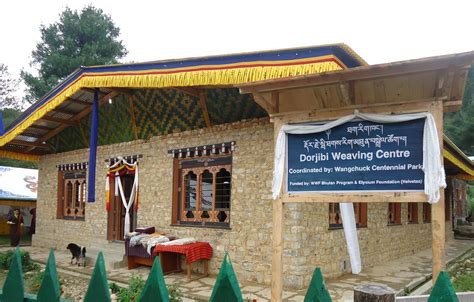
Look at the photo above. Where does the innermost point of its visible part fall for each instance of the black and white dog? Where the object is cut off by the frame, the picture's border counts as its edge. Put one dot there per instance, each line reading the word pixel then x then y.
pixel 78 253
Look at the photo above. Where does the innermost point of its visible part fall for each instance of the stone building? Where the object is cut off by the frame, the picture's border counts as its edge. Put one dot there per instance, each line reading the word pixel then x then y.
pixel 205 154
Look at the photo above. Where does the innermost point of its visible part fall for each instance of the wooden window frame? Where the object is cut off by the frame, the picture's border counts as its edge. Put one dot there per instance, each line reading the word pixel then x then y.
pixel 447 207
pixel 361 214
pixel 412 213
pixel 426 212
pixel 78 196
pixel 396 209
pixel 200 217
pixel 335 219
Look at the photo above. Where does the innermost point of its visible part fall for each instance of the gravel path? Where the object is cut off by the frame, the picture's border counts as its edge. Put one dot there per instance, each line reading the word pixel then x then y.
pixel 74 287
pixel 75 284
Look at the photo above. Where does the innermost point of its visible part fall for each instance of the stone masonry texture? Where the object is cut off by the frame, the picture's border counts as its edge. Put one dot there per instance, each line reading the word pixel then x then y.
pixel 307 240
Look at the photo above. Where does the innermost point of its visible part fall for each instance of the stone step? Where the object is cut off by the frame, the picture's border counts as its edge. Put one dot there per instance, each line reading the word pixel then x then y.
pixel 114 254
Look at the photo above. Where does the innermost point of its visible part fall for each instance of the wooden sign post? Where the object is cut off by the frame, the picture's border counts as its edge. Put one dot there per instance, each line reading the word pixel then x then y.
pixel 433 85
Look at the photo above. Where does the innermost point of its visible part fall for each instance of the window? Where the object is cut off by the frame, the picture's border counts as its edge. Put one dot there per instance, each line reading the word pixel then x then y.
pixel 412 212
pixel 426 212
pixel 203 195
pixel 360 210
pixel 394 213
pixel 447 209
pixel 72 192
pixel 335 219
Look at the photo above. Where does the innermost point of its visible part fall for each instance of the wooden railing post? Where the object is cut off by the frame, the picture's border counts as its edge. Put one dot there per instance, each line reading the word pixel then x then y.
pixel 13 288
pixel 98 289
pixel 155 289
pixel 50 290
pixel 438 224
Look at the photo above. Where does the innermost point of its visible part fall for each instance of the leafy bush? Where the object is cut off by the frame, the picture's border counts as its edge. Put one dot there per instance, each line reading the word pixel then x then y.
pixel 135 288
pixel 132 293
pixel 175 293
pixel 114 288
pixel 27 263
pixel 33 281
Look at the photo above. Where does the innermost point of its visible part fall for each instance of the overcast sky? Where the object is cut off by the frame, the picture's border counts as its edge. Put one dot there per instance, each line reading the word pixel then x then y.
pixel 379 31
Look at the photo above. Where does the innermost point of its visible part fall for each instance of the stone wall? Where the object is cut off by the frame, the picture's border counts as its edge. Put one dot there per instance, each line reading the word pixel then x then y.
pixel 248 241
pixel 307 241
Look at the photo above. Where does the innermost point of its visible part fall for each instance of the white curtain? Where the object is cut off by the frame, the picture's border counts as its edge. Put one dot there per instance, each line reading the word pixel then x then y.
pixel 350 232
pixel 127 203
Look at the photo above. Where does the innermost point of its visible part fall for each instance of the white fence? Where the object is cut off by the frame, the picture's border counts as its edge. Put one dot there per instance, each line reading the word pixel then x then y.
pixel 463 297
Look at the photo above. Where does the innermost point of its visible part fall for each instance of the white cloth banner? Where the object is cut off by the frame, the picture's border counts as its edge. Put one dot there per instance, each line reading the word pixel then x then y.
pixel 350 231
pixel 118 188
pixel 432 166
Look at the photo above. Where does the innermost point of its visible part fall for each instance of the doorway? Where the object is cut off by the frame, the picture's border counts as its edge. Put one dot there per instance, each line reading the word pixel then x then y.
pixel 116 216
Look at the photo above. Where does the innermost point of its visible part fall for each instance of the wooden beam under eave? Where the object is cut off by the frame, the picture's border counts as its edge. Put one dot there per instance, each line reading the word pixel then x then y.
pixel 65 111
pixel 40 127
pixel 444 83
pixel 463 176
pixel 264 103
pixel 459 87
pixel 17 203
pixel 132 117
pixel 74 120
pixel 194 92
pixel 92 90
pixel 335 113
pixel 29 144
pixel 452 106
pixel 68 122
pixel 347 91
pixel 83 135
pixel 30 134
pixel 125 91
pixel 203 105
pixel 77 101
pixel 276 101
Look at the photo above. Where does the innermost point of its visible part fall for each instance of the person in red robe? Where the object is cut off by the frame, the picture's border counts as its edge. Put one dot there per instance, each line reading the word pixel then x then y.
pixel 33 221
pixel 15 222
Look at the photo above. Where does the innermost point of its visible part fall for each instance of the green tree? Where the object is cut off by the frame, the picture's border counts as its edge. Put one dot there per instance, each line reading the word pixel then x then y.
pixel 84 38
pixel 459 126
pixel 9 115
pixel 8 85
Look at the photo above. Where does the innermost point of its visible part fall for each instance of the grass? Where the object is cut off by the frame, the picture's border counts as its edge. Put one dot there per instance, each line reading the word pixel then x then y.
pixel 24 240
pixel 464 283
pixel 463 273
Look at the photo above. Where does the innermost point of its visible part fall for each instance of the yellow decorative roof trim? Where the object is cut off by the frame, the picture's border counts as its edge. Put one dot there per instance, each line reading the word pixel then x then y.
pixel 150 79
pixel 453 159
pixel 18 156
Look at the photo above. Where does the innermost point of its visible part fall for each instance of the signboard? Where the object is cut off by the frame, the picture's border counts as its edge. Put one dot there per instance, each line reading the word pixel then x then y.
pixel 18 183
pixel 358 156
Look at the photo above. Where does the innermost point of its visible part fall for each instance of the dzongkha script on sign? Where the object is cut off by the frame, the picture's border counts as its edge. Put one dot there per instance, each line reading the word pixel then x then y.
pixel 358 156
